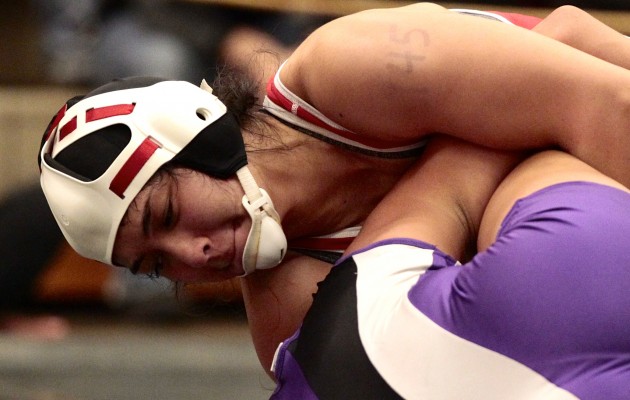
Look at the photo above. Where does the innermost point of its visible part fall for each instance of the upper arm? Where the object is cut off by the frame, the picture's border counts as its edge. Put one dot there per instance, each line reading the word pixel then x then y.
pixel 358 70
pixel 403 73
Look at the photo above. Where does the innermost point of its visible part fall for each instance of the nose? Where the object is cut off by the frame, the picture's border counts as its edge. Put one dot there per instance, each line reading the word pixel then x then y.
pixel 193 252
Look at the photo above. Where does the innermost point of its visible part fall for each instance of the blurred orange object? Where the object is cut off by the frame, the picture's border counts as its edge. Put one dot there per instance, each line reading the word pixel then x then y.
pixel 71 278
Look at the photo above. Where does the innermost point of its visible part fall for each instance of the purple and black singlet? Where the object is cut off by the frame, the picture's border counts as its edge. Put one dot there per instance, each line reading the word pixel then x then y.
pixel 544 313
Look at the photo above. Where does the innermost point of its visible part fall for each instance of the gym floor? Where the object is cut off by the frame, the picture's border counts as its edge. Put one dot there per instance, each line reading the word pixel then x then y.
pixel 108 356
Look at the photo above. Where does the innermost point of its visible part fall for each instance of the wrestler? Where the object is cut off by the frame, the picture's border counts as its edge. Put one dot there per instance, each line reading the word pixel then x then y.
pixel 164 178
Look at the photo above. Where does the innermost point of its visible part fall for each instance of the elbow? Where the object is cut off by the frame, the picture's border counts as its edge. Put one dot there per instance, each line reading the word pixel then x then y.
pixel 564 24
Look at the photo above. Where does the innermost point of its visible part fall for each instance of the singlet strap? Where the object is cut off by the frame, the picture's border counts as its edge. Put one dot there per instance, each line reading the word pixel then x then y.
pixel 524 21
pixel 292 111
pixel 327 248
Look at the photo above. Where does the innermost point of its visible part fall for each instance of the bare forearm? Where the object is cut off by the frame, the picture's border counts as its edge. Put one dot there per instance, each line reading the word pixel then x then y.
pixel 442 198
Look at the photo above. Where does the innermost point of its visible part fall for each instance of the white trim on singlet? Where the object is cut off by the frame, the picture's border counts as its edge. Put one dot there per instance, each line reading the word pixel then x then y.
pixel 483 14
pixel 298 102
pixel 324 126
pixel 418 358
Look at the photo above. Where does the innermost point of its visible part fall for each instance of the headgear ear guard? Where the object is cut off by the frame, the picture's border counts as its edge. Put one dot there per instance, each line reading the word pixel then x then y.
pixel 100 150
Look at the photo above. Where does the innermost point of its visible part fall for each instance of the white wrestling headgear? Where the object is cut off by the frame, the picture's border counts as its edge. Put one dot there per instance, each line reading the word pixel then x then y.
pixel 100 150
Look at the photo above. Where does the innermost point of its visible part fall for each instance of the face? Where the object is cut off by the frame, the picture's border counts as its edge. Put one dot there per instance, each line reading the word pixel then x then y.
pixel 187 227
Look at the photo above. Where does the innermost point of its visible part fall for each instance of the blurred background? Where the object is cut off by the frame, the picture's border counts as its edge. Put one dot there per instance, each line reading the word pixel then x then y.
pixel 72 328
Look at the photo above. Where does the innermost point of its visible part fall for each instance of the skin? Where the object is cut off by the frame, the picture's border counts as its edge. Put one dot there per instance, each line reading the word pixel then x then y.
pixel 436 191
pixel 426 70
pixel 578 29
pixel 537 172
pixel 278 299
pixel 419 52
pixel 418 29
pixel 483 200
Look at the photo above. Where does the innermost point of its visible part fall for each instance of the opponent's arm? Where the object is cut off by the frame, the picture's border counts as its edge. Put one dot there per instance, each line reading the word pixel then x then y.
pixel 441 199
pixel 404 73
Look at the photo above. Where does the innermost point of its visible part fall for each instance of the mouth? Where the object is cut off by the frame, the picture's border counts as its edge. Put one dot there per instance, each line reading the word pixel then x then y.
pixel 230 265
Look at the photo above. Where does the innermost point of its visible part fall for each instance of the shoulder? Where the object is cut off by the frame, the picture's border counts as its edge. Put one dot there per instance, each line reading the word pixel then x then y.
pixel 359 56
pixel 341 42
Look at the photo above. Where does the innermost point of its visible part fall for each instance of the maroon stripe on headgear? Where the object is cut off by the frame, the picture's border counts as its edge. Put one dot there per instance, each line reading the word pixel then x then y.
pixel 94 114
pixel 132 166
pixel 68 128
pixel 55 121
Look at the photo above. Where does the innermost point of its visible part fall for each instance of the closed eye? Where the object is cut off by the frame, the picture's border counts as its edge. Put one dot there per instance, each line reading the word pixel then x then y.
pixel 169 214
pixel 135 268
pixel 158 266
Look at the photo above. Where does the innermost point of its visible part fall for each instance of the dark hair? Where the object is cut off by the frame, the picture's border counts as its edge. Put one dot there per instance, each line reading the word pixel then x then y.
pixel 239 92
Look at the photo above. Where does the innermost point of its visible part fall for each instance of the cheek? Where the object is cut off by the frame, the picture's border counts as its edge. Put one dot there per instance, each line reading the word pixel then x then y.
pixel 213 210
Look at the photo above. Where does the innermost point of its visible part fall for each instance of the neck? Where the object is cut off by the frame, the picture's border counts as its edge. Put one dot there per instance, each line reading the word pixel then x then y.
pixel 300 185
pixel 318 188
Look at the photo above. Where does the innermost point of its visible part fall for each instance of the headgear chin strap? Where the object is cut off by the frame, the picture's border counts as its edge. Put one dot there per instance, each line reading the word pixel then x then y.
pixel 99 151
pixel 266 243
